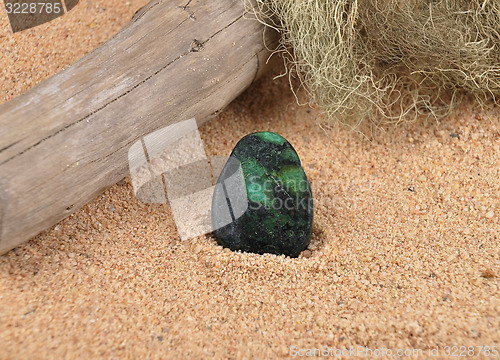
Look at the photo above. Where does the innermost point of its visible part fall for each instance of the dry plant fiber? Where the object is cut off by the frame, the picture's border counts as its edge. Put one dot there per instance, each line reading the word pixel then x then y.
pixel 399 58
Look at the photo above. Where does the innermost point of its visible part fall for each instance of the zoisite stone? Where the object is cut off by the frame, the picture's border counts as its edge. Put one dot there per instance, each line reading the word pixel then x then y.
pixel 262 201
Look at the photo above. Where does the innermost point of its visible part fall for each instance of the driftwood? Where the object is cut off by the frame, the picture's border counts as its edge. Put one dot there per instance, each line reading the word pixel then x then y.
pixel 65 141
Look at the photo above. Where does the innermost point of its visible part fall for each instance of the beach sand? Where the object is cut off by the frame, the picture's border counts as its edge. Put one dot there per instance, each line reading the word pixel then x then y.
pixel 405 252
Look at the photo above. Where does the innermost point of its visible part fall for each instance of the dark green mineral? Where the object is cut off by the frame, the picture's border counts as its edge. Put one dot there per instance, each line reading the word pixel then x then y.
pixel 262 201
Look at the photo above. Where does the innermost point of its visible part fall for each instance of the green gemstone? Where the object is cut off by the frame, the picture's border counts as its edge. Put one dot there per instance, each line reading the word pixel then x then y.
pixel 262 201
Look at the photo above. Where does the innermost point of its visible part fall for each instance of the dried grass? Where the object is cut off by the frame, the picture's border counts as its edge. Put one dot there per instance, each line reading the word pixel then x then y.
pixel 402 59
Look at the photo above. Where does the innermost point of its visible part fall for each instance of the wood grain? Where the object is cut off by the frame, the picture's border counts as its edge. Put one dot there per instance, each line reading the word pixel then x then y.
pixel 65 141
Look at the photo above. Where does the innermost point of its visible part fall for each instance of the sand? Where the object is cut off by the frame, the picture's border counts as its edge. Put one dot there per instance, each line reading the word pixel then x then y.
pixel 405 253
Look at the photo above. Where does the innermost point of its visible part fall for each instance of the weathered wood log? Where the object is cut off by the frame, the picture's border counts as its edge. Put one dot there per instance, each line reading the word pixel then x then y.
pixel 65 141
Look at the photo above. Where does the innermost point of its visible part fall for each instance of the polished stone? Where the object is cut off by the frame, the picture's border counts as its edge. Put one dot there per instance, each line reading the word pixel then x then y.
pixel 262 201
